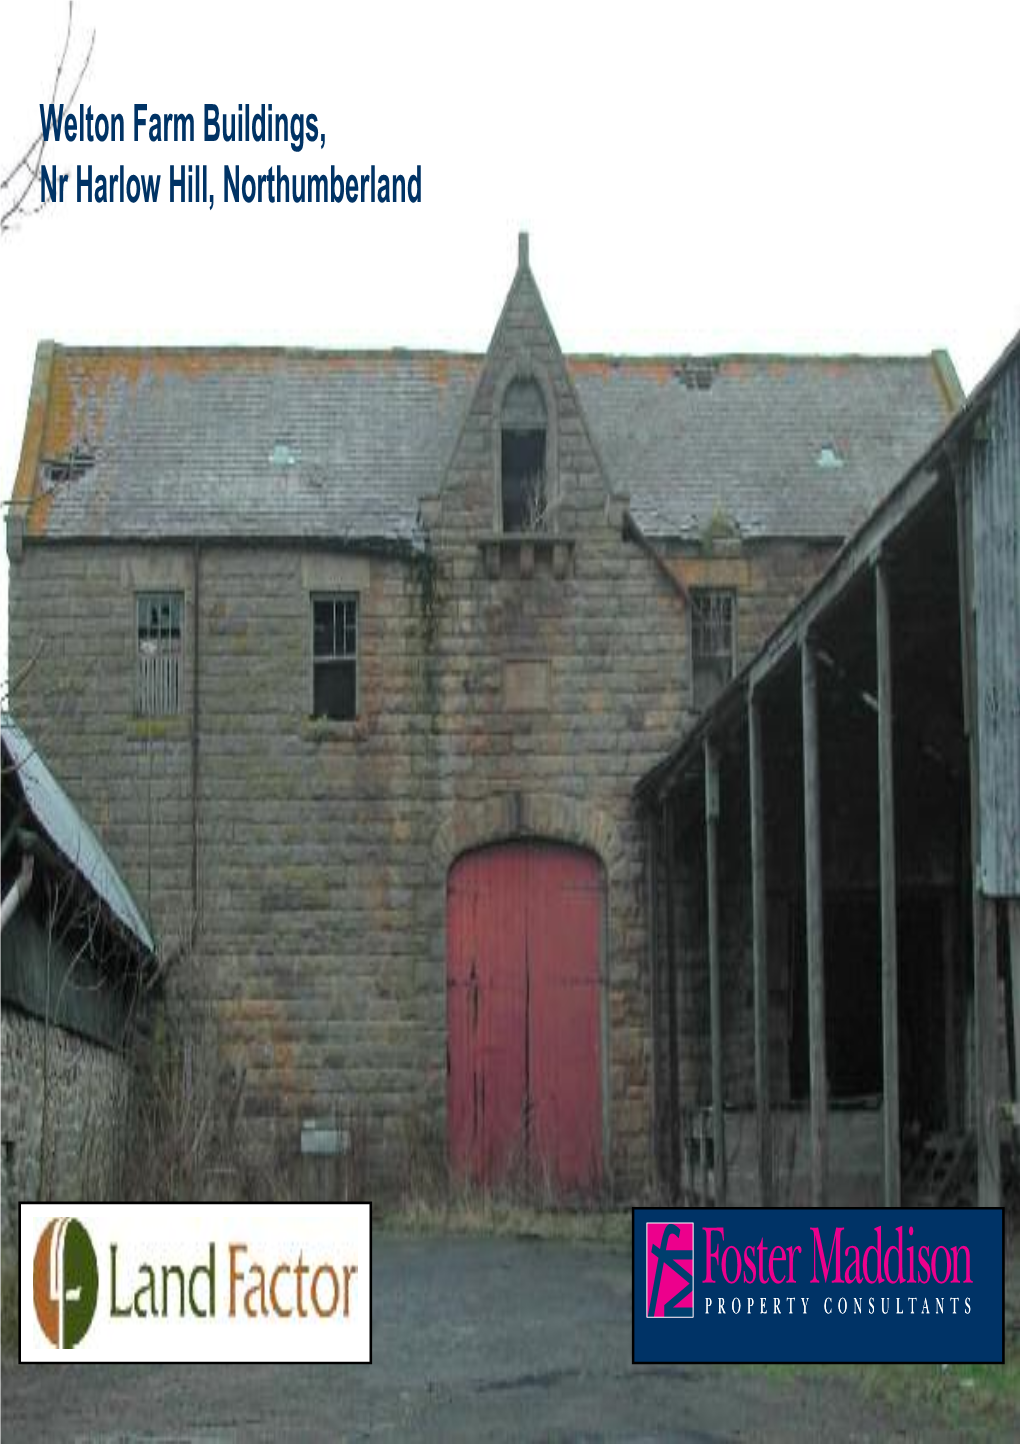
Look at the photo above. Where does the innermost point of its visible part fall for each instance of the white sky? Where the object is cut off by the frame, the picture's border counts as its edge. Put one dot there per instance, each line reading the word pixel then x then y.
pixel 695 177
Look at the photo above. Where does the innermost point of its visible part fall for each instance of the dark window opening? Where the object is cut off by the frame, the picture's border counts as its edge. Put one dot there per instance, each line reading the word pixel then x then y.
pixel 524 498
pixel 712 644
pixel 335 658
pixel 158 680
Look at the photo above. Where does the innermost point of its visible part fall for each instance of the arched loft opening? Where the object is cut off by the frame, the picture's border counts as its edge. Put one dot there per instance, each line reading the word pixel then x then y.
pixel 524 481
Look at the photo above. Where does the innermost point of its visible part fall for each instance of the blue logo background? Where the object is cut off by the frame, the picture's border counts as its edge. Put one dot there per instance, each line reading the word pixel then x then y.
pixel 892 1333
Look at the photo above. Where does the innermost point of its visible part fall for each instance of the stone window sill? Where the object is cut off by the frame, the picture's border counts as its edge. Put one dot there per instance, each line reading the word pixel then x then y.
pixel 332 730
pixel 167 727
pixel 517 554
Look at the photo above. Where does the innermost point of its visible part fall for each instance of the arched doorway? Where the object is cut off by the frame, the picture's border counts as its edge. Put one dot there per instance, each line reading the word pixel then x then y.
pixel 524 931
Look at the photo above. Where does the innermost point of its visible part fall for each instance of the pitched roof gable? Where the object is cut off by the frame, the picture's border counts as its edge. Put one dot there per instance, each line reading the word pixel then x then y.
pixel 292 444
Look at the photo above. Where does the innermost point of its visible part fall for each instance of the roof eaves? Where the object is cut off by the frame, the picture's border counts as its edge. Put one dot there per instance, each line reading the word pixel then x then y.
pixel 70 835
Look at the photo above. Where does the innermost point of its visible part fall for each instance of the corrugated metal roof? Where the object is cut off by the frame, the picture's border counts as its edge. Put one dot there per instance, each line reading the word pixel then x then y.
pixel 252 443
pixel 68 832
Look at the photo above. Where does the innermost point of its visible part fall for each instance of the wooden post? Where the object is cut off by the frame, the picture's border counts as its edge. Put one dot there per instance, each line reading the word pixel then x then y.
pixel 985 982
pixel 986 1051
pixel 759 944
pixel 887 876
pixel 1013 915
pixel 654 1021
pixel 814 924
pixel 714 980
pixel 951 943
pixel 671 998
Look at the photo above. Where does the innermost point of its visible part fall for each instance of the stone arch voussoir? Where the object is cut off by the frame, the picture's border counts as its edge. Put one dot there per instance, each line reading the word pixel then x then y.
pixel 503 817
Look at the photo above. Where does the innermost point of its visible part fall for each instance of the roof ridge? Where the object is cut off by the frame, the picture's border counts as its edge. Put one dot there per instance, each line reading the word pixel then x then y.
pixel 241 349
pixel 796 357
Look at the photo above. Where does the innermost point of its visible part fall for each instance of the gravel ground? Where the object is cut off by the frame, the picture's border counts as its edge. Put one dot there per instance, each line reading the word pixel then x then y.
pixel 473 1338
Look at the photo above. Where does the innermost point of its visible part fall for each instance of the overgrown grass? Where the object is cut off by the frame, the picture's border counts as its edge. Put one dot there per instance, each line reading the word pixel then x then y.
pixel 960 1402
pixel 477 1212
pixel 976 1401
pixel 964 1402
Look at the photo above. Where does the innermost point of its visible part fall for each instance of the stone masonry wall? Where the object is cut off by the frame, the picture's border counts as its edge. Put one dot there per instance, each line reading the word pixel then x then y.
pixel 87 1091
pixel 312 837
pixel 602 636
pixel 506 690
pixel 323 849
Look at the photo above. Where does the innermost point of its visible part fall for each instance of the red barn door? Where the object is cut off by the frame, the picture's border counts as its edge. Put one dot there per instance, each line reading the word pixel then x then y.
pixel 524 941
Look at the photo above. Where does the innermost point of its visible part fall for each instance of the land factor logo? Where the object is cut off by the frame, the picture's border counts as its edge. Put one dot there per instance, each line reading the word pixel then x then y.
pixel 65 1282
pixel 669 1270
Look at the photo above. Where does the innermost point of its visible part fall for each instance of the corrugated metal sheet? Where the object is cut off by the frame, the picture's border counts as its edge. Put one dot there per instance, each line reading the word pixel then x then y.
pixel 993 478
pixel 68 831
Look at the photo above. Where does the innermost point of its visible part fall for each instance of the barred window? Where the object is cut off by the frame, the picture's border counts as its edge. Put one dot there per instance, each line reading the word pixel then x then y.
pixel 713 639
pixel 335 657
pixel 158 678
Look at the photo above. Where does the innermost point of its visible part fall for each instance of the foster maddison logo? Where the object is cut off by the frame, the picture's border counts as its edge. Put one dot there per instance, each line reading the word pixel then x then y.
pixel 65 1282
pixel 730 1285
pixel 669 1270
pixel 188 1283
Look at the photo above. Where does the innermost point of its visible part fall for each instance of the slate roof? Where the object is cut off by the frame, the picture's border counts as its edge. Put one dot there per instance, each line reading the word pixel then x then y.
pixel 68 832
pixel 298 444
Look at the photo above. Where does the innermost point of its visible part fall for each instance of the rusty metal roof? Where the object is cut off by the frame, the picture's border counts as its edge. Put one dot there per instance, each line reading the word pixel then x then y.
pixel 163 443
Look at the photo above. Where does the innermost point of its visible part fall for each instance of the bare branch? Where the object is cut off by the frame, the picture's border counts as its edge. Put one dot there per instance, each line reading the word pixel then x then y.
pixel 12 684
pixel 31 161
pixel 53 96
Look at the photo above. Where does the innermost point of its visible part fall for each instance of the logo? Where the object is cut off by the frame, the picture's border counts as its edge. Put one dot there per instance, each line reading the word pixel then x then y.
pixel 175 1282
pixel 669 1270
pixel 800 1285
pixel 65 1282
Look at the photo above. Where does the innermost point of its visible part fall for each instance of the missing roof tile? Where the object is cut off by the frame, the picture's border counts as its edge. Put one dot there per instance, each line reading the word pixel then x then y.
pixel 696 375
pixel 67 466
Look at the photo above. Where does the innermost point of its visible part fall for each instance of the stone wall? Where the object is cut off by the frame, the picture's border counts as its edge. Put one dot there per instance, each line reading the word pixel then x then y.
pixel 506 689
pixel 311 838
pixel 323 849
pixel 84 1111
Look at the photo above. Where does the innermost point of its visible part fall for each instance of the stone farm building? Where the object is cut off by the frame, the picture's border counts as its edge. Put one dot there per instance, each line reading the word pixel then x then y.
pixel 354 661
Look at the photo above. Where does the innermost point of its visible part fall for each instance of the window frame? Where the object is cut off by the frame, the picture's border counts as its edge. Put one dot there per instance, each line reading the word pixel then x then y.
pixel 334 595
pixel 145 597
pixel 710 592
